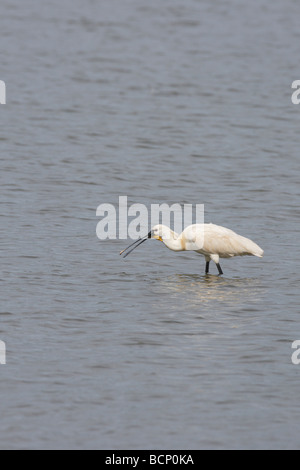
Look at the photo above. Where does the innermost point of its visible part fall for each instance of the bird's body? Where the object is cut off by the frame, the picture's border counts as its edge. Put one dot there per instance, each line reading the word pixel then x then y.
pixel 211 241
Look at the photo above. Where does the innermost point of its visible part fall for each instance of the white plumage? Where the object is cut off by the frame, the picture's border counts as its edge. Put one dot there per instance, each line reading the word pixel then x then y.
pixel 211 241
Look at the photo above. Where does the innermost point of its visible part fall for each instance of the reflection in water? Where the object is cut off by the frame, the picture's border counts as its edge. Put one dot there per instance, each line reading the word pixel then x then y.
pixel 195 289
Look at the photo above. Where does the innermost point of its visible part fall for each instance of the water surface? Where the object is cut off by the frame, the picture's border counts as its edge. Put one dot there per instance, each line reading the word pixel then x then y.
pixel 186 102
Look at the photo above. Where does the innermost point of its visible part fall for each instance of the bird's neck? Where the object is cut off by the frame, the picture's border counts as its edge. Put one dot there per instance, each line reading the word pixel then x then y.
pixel 172 241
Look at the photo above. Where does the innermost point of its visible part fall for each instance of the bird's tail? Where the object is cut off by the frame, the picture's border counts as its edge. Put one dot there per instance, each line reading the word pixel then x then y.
pixel 257 250
pixel 251 248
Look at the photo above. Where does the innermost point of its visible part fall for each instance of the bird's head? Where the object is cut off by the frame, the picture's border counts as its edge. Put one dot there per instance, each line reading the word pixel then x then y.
pixel 156 233
pixel 160 232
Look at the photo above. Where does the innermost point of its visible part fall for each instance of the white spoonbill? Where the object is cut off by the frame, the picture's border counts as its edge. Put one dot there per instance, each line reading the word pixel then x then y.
pixel 211 241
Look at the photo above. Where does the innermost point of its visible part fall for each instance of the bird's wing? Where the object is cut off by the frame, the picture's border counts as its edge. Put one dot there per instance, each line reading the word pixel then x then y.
pixel 226 243
pixel 214 239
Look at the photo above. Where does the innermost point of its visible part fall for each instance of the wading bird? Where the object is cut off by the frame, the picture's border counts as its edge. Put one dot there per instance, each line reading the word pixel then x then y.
pixel 211 241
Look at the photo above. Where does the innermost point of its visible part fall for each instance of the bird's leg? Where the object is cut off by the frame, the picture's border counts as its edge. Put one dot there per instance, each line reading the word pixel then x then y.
pixel 207 259
pixel 207 267
pixel 216 259
pixel 219 269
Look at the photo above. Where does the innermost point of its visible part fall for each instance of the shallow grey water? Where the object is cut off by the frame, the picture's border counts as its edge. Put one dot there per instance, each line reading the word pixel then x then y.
pixel 174 101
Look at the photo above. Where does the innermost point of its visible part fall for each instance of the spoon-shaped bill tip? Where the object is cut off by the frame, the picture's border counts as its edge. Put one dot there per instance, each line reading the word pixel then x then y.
pixel 133 245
